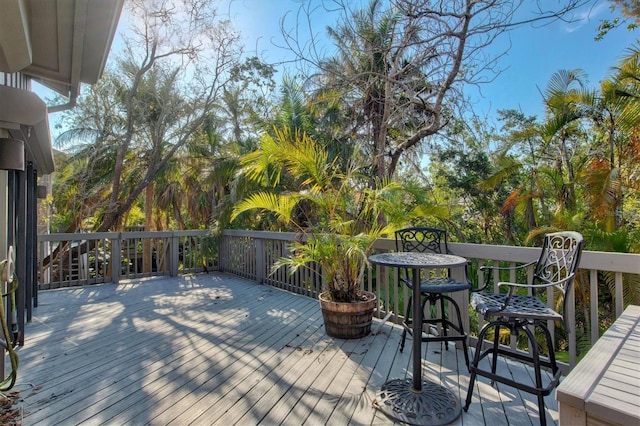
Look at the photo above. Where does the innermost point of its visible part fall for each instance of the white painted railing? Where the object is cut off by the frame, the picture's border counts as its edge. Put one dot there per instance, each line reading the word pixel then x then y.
pixel 250 254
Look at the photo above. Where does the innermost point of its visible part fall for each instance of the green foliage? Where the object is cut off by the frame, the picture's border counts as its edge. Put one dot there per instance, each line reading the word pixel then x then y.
pixel 628 9
pixel 333 207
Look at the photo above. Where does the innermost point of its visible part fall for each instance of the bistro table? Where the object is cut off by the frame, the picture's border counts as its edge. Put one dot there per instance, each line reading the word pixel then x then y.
pixel 418 401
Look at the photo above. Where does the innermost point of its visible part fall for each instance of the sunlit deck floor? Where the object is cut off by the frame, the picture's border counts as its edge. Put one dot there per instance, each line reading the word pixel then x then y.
pixel 217 349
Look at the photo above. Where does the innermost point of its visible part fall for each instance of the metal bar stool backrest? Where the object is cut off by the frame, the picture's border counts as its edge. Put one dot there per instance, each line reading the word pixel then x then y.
pixel 420 239
pixel 558 262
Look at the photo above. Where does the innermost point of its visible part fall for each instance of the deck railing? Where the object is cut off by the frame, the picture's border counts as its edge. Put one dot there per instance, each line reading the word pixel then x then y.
pixel 251 253
pixel 89 258
pixel 66 260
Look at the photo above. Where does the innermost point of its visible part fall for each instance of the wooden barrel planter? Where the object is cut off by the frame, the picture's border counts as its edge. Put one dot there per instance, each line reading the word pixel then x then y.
pixel 347 320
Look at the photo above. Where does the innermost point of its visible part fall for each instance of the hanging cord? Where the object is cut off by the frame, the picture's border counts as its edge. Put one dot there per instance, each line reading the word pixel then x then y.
pixel 7 276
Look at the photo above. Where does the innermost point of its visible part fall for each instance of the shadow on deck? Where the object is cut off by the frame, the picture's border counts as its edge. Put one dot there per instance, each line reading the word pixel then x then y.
pixel 217 349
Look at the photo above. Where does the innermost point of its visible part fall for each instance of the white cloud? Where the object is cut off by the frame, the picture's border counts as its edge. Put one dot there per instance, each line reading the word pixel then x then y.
pixel 586 15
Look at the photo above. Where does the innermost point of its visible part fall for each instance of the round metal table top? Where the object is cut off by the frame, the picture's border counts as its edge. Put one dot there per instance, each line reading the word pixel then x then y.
pixel 417 260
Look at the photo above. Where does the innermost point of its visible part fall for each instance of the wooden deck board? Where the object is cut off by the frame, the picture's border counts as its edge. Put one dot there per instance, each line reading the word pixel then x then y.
pixel 321 351
pixel 208 380
pixel 120 376
pixel 278 390
pixel 275 368
pixel 352 352
pixel 217 349
pixel 236 367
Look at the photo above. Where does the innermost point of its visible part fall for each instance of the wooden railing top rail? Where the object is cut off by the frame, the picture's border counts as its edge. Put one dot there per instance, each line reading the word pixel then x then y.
pixel 126 234
pixel 78 236
pixel 598 260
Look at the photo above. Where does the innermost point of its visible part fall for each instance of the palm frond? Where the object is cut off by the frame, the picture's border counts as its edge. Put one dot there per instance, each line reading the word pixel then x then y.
pixel 509 167
pixel 282 205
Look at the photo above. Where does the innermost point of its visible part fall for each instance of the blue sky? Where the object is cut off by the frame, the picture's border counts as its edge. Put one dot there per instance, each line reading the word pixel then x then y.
pixel 535 54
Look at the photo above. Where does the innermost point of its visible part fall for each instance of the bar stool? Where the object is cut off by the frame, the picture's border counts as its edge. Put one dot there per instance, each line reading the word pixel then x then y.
pixel 521 314
pixel 432 289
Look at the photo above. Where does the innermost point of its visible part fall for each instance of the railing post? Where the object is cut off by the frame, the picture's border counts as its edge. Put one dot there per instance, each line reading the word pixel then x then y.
pixel 222 246
pixel 259 253
pixel 116 261
pixel 174 253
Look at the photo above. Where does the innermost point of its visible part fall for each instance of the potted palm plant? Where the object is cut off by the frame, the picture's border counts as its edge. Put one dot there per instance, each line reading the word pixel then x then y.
pixel 337 214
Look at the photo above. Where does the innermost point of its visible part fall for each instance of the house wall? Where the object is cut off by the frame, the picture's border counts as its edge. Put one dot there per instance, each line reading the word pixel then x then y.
pixel 3 214
pixel 19 81
pixel 17 189
pixel 16 80
pixel 3 231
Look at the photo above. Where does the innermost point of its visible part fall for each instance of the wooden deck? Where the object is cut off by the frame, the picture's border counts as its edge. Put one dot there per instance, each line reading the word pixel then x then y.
pixel 217 349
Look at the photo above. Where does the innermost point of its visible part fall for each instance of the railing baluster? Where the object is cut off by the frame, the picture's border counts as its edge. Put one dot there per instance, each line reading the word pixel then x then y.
pixel 593 305
pixel 250 254
pixel 571 323
pixel 116 260
pixel 390 293
pixel 619 297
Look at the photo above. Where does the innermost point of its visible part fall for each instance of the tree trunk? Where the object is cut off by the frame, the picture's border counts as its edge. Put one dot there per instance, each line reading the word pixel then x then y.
pixel 148 226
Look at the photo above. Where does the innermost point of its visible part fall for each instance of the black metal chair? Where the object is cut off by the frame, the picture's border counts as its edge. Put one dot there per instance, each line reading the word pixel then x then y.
pixel 556 268
pixel 432 289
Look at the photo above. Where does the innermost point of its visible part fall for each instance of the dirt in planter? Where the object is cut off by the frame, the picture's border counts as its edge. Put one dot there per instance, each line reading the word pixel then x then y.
pixel 365 296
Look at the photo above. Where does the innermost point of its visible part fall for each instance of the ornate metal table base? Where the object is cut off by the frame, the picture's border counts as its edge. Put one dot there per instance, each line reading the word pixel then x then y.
pixel 434 405
pixel 417 401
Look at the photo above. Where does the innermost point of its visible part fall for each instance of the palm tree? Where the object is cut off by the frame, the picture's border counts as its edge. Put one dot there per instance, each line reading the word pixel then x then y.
pixel 330 206
pixel 561 130
pixel 549 155
pixel 518 165
pixel 614 113
pixel 614 169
